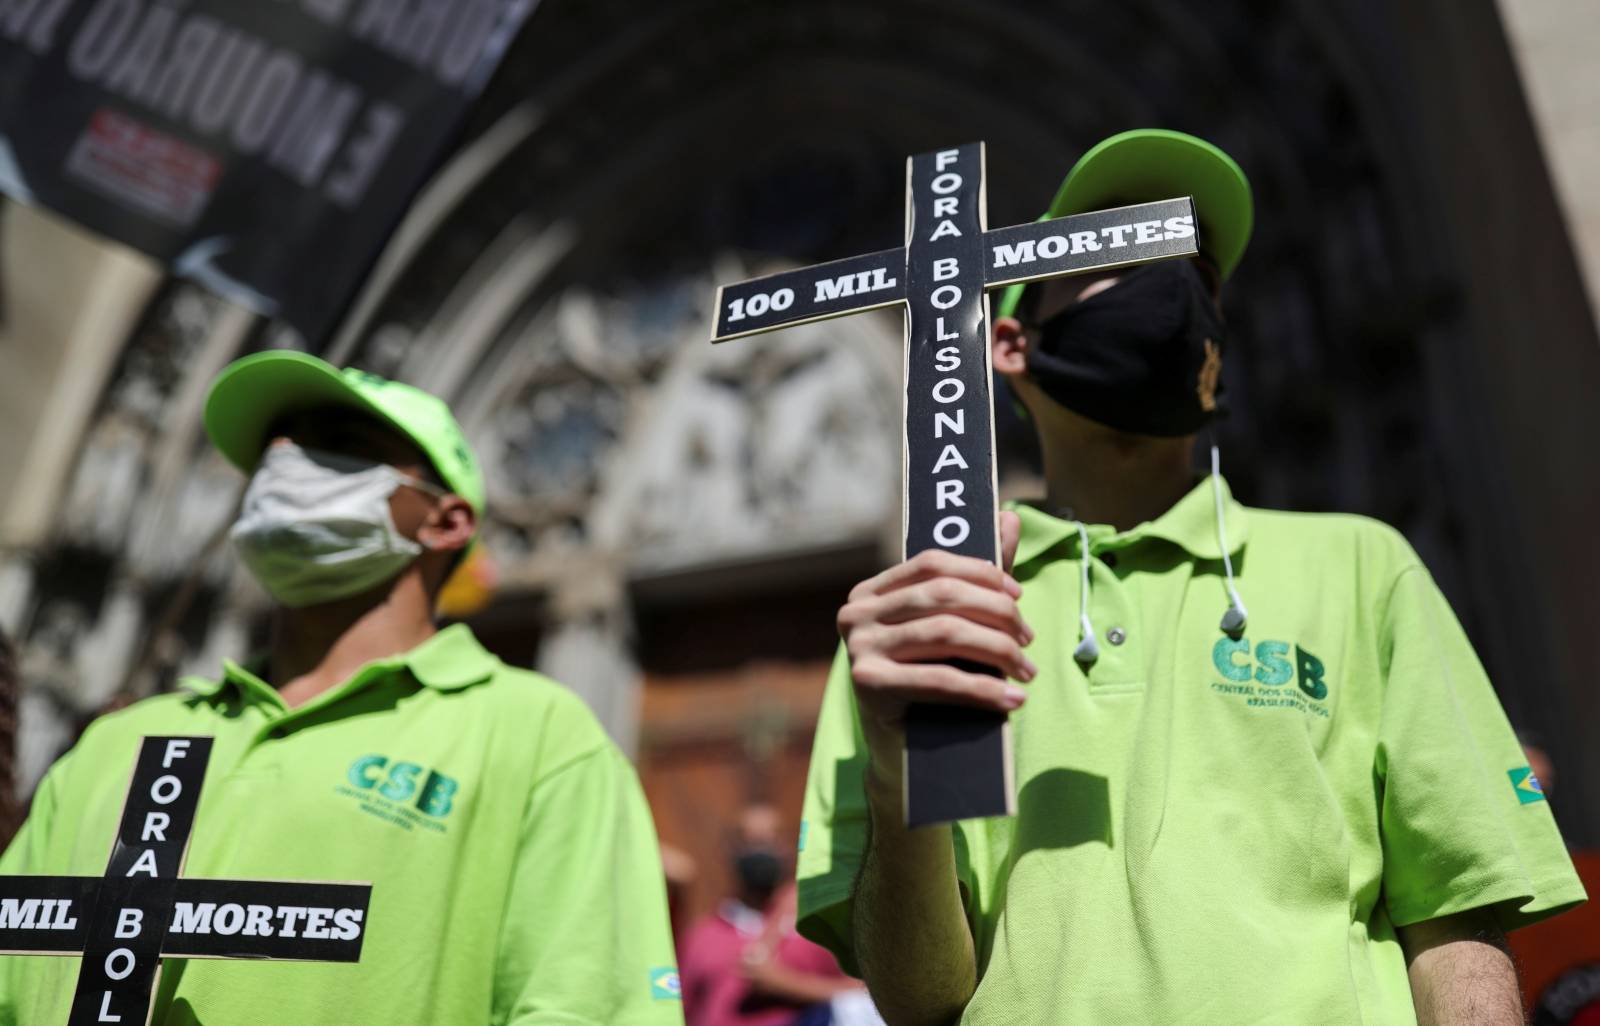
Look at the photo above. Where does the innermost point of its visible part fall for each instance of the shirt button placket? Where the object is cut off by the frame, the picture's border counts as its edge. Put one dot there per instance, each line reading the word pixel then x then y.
pixel 1111 603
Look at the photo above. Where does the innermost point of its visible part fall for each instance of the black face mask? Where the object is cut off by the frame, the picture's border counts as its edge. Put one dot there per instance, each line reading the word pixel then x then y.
pixel 758 870
pixel 1143 356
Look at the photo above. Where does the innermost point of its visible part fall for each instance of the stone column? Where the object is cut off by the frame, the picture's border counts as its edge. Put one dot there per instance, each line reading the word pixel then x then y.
pixel 589 647
pixel 1555 42
pixel 71 301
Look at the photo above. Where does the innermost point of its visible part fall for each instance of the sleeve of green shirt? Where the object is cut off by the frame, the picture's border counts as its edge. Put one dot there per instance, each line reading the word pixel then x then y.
pixel 1462 826
pixel 586 938
pixel 833 828
pixel 26 856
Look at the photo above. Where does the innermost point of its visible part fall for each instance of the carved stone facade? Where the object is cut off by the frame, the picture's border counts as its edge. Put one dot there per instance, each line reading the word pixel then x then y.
pixel 617 442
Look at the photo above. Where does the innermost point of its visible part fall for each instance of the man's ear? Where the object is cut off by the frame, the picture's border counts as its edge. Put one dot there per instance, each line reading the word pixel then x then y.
pixel 449 527
pixel 1008 350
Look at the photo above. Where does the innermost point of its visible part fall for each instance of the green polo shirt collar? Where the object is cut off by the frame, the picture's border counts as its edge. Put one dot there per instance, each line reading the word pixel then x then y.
pixel 1191 524
pixel 450 660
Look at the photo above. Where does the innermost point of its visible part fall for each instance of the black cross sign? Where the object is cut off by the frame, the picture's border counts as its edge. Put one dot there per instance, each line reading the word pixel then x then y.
pixel 958 760
pixel 125 922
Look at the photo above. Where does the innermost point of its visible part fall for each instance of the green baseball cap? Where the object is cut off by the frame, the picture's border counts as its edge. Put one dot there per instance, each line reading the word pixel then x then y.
pixel 1154 164
pixel 253 392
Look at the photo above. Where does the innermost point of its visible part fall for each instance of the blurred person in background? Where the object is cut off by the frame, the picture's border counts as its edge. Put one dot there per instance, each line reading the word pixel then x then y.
pixel 1538 760
pixel 514 868
pixel 744 965
pixel 1313 810
pixel 681 870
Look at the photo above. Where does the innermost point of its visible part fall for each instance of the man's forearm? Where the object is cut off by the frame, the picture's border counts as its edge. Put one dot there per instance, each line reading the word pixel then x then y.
pixel 911 935
pixel 1461 973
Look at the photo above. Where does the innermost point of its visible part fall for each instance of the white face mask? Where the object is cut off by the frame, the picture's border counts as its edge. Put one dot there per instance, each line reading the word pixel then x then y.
pixel 316 526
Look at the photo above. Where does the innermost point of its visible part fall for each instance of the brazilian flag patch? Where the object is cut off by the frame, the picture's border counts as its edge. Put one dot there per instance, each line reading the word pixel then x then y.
pixel 1526 785
pixel 665 985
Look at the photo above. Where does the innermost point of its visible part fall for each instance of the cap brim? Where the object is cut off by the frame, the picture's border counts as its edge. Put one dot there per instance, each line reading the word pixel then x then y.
pixel 1155 163
pixel 254 392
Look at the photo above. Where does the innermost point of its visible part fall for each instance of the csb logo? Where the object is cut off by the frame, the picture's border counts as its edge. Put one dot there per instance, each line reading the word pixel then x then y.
pixel 1271 665
pixel 398 783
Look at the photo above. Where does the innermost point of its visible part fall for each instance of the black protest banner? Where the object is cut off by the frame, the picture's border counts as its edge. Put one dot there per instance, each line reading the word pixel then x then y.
pixel 125 922
pixel 958 760
pixel 264 149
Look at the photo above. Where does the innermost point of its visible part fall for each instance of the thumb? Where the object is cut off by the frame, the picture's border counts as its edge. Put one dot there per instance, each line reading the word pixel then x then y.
pixel 1010 532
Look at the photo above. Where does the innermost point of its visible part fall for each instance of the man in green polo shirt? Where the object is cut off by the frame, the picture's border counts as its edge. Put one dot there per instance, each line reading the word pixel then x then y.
pixel 1307 809
pixel 515 874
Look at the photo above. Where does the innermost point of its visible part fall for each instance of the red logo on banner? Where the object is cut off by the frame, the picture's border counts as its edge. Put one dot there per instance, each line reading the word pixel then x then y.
pixel 149 170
